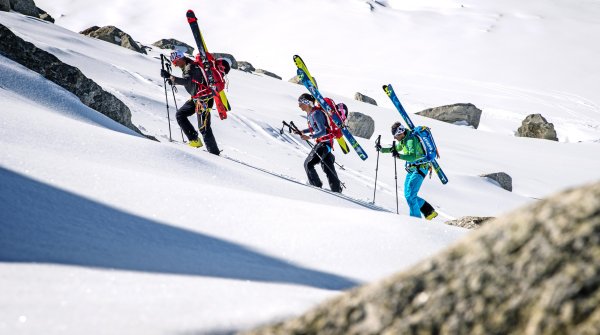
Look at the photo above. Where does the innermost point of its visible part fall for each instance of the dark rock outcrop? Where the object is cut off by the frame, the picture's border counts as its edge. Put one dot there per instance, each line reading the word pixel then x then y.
pixel 534 271
pixel 5 5
pixel 267 73
pixel 360 125
pixel 232 61
pixel 361 97
pixel 26 7
pixel 64 75
pixel 536 126
pixel 246 67
pixel 114 35
pixel 503 179
pixel 470 222
pixel 296 80
pixel 44 16
pixel 173 44
pixel 461 114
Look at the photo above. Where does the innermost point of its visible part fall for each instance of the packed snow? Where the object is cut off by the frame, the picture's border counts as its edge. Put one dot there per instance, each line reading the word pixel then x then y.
pixel 104 231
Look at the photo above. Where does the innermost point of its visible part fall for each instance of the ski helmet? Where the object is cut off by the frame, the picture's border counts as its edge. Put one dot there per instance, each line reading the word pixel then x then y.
pixel 175 55
pixel 398 128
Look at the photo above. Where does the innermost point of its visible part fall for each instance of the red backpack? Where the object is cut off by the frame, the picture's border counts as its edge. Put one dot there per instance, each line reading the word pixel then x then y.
pixel 219 68
pixel 335 130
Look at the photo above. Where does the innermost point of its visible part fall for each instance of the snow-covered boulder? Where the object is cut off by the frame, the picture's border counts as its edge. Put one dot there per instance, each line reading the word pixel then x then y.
pixel 460 114
pixel 229 57
pixel 44 16
pixel 470 222
pixel 296 80
pixel 64 75
pixel 246 67
pixel 114 35
pixel 536 126
pixel 268 73
pixel 361 97
pixel 173 44
pixel 503 179
pixel 360 125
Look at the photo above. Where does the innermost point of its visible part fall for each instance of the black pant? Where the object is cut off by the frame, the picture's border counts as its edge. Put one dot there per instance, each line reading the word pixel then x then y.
pixel 188 109
pixel 321 153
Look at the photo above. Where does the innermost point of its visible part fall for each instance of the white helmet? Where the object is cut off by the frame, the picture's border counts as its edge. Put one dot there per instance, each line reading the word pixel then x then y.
pixel 175 55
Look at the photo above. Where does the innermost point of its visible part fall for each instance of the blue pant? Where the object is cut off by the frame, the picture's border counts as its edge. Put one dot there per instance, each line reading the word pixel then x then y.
pixel 412 184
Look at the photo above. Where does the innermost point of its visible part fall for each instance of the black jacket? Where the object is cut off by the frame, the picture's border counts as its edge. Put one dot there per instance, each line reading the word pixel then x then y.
pixel 190 71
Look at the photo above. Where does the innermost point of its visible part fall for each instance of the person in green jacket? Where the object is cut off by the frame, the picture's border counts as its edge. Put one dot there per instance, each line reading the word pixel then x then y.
pixel 408 148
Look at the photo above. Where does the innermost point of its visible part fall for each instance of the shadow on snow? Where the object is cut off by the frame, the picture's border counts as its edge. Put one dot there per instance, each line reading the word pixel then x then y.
pixel 43 224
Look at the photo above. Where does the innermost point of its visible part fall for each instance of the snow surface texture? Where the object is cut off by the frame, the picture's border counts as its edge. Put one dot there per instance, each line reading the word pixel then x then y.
pixel 103 231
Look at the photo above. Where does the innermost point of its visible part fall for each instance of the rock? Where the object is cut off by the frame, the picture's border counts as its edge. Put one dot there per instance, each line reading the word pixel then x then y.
pixel 267 73
pixel 64 75
pixel 536 126
pixel 229 57
pixel 173 44
pixel 296 80
pixel 470 222
pixel 44 16
pixel 360 97
pixel 503 179
pixel 89 30
pixel 5 5
pixel 360 125
pixel 534 271
pixel 246 67
pixel 26 7
pixel 460 114
pixel 114 35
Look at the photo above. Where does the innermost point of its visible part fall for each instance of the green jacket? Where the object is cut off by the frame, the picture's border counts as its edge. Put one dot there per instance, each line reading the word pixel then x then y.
pixel 409 148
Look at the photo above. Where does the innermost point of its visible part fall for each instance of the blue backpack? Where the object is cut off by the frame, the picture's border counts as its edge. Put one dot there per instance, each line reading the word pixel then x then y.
pixel 427 142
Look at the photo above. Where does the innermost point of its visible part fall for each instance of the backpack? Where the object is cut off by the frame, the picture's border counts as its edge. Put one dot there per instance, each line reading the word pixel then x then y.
pixel 335 130
pixel 343 111
pixel 427 142
pixel 219 68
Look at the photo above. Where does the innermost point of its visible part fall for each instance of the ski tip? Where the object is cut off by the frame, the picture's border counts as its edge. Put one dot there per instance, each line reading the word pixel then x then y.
pixel 190 15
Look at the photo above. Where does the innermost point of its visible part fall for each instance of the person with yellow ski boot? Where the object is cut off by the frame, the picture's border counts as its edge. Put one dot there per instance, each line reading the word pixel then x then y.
pixel 200 102
pixel 407 147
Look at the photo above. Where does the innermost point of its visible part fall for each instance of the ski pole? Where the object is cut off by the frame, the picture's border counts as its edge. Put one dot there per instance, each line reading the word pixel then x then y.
pixel 296 130
pixel 162 64
pixel 377 145
pixel 395 174
pixel 173 90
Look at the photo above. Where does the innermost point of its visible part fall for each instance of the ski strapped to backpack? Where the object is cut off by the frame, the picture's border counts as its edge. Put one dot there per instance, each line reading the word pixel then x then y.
pixel 422 133
pixel 310 86
pixel 213 71
pixel 337 108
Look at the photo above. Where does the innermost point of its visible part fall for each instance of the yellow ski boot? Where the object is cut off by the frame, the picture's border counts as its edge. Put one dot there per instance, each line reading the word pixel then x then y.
pixel 197 143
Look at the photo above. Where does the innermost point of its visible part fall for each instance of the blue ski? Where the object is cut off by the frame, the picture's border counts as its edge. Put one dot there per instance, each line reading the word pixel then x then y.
pixel 315 92
pixel 389 90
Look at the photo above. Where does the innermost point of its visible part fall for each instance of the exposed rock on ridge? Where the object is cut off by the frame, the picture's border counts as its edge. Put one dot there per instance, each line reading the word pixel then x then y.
pixel 534 271
pixel 64 75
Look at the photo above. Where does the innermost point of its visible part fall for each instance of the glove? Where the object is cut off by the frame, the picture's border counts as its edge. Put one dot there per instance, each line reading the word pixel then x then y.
pixel 165 74
pixel 377 147
pixel 395 153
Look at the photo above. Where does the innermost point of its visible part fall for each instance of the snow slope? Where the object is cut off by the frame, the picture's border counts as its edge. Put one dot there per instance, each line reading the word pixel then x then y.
pixel 103 231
